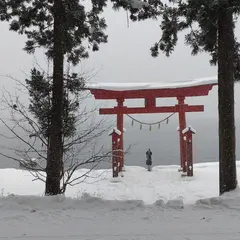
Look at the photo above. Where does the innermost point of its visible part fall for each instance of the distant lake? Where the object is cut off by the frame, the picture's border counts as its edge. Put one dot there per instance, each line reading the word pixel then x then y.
pixel 164 143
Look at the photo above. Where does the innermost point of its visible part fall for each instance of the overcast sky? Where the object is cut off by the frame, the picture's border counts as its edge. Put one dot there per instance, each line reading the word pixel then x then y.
pixel 125 58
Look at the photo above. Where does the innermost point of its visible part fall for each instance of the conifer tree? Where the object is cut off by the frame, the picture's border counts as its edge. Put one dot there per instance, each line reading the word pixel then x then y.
pixel 39 87
pixel 61 27
pixel 211 29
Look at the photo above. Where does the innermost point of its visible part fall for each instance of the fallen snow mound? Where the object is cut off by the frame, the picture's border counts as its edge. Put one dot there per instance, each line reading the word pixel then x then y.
pixel 15 202
pixel 228 200
pixel 60 202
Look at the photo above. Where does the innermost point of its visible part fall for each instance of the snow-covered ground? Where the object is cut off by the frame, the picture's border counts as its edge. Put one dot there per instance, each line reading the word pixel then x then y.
pixel 142 205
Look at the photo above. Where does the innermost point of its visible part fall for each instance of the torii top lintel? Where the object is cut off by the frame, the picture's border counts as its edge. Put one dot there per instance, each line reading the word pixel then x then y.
pixel 197 87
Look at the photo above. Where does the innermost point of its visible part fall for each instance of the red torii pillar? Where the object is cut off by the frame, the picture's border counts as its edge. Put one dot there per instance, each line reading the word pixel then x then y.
pixel 115 133
pixel 187 133
pixel 182 125
pixel 121 129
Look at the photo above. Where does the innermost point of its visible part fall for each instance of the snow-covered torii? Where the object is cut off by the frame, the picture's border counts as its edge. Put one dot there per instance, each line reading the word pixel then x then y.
pixel 150 92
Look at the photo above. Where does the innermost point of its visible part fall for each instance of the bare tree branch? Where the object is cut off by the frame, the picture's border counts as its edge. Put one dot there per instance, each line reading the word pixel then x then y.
pixel 78 150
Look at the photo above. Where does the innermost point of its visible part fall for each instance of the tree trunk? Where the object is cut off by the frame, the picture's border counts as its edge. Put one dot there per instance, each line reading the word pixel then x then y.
pixel 227 157
pixel 53 169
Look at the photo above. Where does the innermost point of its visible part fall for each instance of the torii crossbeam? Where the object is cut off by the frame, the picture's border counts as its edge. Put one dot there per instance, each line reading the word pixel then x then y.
pixel 150 92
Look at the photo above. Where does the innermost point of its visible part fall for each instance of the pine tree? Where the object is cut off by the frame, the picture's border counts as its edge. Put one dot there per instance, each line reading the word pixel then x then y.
pixel 39 87
pixel 40 91
pixel 214 34
pixel 60 27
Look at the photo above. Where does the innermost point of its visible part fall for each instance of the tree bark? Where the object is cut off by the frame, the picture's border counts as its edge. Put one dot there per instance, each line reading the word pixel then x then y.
pixel 54 162
pixel 227 157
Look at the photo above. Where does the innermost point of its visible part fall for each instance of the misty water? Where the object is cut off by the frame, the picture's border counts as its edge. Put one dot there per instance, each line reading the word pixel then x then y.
pixel 164 143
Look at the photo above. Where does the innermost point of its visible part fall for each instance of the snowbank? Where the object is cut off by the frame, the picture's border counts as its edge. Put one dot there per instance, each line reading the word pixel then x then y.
pixel 143 205
pixel 159 187
pixel 229 200
pixel 34 203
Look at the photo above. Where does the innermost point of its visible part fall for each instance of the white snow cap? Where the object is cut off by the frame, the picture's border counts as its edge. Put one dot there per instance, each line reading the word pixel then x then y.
pixel 114 130
pixel 156 85
pixel 189 128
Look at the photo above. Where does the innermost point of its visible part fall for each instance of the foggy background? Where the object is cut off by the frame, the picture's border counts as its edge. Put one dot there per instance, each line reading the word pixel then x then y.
pixel 126 58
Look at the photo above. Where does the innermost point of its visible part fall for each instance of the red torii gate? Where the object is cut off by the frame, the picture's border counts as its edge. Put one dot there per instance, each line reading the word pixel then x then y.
pixel 150 92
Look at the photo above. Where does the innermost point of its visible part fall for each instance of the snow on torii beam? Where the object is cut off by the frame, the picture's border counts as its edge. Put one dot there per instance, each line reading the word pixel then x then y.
pixel 149 92
pixel 194 88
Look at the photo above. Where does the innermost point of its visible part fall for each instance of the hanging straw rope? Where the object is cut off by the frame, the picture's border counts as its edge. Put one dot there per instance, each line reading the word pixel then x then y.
pixel 150 124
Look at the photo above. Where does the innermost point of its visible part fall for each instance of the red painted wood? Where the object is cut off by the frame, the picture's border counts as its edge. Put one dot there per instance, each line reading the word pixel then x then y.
pixel 189 152
pixel 115 157
pixel 182 125
pixel 150 102
pixel 120 128
pixel 143 110
pixel 150 93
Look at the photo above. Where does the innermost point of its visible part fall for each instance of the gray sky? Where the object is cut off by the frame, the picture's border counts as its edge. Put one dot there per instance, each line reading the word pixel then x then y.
pixel 126 58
